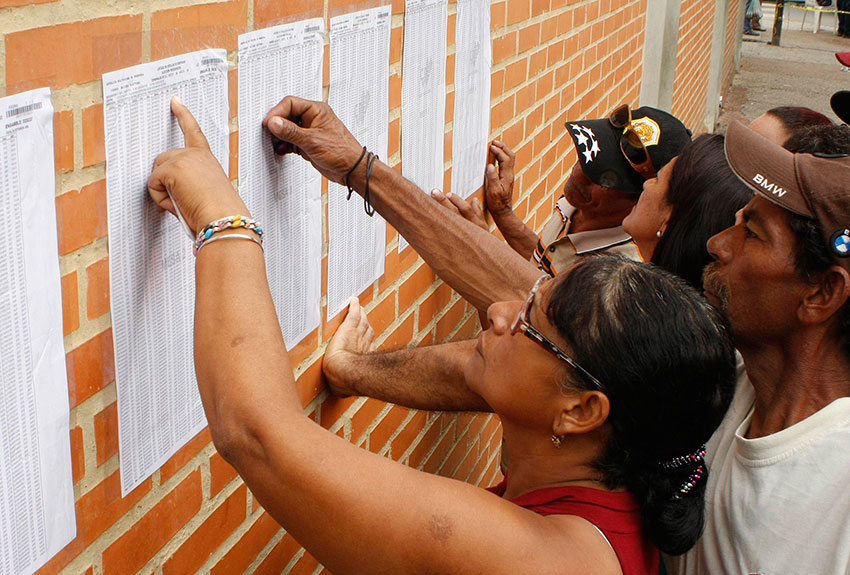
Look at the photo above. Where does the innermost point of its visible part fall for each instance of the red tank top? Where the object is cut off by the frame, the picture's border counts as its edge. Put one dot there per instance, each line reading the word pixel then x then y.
pixel 616 514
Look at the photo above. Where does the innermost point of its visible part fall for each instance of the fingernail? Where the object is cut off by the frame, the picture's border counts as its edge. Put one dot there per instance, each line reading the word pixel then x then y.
pixel 276 123
pixel 449 195
pixel 491 169
pixel 436 194
pixel 176 100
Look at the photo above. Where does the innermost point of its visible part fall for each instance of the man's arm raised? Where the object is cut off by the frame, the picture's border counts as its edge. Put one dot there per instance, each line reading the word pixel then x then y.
pixel 479 266
pixel 428 378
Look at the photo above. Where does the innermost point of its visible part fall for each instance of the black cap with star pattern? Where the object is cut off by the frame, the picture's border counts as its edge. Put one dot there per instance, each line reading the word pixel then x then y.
pixel 597 145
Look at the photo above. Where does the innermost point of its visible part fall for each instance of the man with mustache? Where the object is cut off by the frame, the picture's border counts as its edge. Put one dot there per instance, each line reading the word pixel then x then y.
pixel 776 498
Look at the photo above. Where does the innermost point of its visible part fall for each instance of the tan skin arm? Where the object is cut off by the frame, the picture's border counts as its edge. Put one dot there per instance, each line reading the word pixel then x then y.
pixel 428 378
pixel 354 511
pixel 473 262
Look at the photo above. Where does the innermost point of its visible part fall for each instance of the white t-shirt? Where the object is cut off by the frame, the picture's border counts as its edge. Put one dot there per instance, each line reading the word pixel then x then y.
pixel 778 504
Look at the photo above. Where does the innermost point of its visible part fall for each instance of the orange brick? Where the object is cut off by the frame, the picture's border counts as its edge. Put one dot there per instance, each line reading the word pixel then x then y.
pixel 243 553
pixel 310 383
pixel 401 336
pixel 364 417
pixel 538 7
pixel 279 557
pixel 147 536
pixel 469 329
pixel 434 304
pixel 394 143
pixel 383 314
pixel 97 293
pixel 70 303
pixel 79 52
pixel 106 432
pixel 448 322
pixel 93 140
pixel 529 37
pixel 405 438
pixel 396 44
pixel 90 367
pixel 306 565
pixel 234 156
pixel 271 12
pixel 78 456
pixel 379 436
pixel 185 454
pixel 208 536
pixel 516 74
pixel 190 28
pixel 504 47
pixel 518 10
pixel 395 91
pixel 415 286
pixel 81 217
pixel 63 141
pixel 437 442
pixel 333 408
pixel 221 473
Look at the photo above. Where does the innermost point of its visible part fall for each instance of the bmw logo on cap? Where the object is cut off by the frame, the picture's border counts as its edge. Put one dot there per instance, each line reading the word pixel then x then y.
pixel 840 243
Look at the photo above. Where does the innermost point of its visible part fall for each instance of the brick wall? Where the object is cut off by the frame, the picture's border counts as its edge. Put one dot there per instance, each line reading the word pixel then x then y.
pixel 553 60
pixel 692 62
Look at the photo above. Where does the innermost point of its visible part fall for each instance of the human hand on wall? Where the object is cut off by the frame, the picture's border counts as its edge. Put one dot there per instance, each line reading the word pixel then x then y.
pixel 498 193
pixel 312 130
pixel 470 210
pixel 354 336
pixel 192 178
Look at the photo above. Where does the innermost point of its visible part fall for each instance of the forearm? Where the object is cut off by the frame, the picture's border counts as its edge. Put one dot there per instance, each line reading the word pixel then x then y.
pixel 429 378
pixel 473 262
pixel 241 363
pixel 519 236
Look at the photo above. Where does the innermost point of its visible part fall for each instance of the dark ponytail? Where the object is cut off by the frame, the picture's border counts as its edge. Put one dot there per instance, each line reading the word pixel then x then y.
pixel 667 365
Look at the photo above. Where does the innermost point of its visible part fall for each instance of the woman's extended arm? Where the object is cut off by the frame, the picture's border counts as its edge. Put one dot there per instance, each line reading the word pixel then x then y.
pixel 354 511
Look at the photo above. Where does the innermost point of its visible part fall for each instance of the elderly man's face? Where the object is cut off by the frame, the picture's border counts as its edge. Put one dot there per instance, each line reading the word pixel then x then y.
pixel 753 277
pixel 578 189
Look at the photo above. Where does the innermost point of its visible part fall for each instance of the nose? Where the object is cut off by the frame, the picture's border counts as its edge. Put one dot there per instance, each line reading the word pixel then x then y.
pixel 720 245
pixel 501 314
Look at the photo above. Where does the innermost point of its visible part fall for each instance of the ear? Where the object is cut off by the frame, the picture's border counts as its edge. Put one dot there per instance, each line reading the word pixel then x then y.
pixel 825 298
pixel 667 211
pixel 581 413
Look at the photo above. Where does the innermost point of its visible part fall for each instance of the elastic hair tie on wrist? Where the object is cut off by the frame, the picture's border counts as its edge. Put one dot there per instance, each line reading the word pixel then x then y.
pixel 233 236
pixel 351 171
pixel 367 205
pixel 237 221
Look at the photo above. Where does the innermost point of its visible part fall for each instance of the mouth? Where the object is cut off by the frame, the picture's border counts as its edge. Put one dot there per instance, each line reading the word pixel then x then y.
pixel 714 290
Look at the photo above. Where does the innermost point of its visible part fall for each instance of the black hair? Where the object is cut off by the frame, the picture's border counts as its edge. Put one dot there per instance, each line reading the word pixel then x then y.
pixel 704 194
pixel 831 140
pixel 813 257
pixel 666 362
pixel 797 118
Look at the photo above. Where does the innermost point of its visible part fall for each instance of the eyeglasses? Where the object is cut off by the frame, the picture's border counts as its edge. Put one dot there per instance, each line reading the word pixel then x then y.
pixel 522 324
pixel 631 145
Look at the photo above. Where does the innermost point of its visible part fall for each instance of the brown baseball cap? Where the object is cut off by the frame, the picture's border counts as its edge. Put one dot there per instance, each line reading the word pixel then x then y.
pixel 811 185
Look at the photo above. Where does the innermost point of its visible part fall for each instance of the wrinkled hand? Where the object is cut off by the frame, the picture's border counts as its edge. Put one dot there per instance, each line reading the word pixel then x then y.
pixel 353 337
pixel 193 177
pixel 498 194
pixel 312 130
pixel 470 210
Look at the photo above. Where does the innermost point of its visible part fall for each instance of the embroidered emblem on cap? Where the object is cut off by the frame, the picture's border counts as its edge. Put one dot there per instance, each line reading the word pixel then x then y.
pixel 647 129
pixel 588 141
pixel 840 243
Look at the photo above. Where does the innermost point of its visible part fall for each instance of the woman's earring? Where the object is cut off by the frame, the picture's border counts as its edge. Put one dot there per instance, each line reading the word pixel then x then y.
pixel 556 441
pixel 658 233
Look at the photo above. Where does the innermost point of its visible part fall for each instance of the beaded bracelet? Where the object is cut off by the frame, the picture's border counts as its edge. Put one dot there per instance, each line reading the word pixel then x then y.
pixel 235 236
pixel 237 221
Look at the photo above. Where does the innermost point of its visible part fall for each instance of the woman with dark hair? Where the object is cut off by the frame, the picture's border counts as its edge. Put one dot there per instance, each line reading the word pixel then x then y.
pixel 607 380
pixel 781 123
pixel 692 198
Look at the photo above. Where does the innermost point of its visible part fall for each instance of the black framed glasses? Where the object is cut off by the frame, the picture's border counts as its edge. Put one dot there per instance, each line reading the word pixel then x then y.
pixel 631 145
pixel 521 323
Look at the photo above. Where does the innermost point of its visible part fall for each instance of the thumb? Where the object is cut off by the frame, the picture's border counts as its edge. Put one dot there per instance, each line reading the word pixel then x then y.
pixel 283 129
pixel 492 173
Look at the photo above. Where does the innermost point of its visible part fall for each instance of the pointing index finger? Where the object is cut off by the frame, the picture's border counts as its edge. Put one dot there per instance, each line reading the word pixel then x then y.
pixel 189 125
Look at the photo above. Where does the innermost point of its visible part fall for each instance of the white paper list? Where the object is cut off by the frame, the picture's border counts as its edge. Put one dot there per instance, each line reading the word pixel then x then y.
pixel 151 266
pixel 284 193
pixel 423 94
pixel 471 124
pixel 359 94
pixel 36 488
